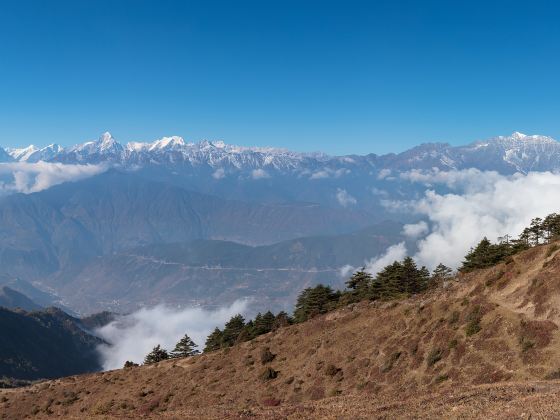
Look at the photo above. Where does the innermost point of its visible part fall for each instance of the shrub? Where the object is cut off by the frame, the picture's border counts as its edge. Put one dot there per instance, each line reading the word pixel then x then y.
pixel 526 344
pixel 128 364
pixel 453 343
pixel 473 322
pixel 434 357
pixel 267 356
pixel 441 378
pixel 331 369
pixel 472 328
pixel 268 374
pixel 388 365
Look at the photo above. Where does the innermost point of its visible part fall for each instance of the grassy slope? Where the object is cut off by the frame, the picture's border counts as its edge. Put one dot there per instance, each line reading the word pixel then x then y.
pixel 388 359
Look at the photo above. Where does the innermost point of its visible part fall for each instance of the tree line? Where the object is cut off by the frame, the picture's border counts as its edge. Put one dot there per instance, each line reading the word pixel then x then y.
pixel 397 280
pixel 486 254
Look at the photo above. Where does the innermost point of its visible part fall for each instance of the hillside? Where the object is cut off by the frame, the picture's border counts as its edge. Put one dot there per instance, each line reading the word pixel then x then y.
pixel 11 299
pixel 71 223
pixel 213 273
pixel 45 344
pixel 482 346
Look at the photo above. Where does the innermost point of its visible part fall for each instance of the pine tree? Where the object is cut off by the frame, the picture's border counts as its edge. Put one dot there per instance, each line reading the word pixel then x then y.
pixel 232 329
pixel 536 230
pixel 184 348
pixel 156 355
pixel 264 323
pixel 214 340
pixel 314 301
pixel 360 284
pixel 440 274
pixel 282 319
pixel 390 281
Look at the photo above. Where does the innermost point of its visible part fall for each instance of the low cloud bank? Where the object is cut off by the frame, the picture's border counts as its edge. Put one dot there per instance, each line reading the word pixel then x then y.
pixel 460 207
pixel 484 204
pixel 133 336
pixel 480 204
pixel 33 177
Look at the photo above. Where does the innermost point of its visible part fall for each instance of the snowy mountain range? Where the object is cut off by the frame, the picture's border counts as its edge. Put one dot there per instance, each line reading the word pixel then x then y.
pixel 506 154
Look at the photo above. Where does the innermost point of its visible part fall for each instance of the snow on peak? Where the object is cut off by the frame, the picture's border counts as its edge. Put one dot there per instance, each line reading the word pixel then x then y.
pixel 107 142
pixel 173 142
pixel 23 153
pixel 517 135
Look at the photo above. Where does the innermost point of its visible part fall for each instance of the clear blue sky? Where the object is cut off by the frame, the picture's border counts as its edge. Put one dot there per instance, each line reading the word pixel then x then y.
pixel 342 77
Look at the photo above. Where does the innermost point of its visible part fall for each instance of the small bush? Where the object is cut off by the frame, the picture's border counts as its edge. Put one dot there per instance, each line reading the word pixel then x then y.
pixel 434 357
pixel 331 369
pixel 388 365
pixel 267 356
pixel 472 328
pixel 334 392
pixel 526 344
pixel 473 325
pixel 268 374
pixel 442 378
pixel 453 343
pixel 128 364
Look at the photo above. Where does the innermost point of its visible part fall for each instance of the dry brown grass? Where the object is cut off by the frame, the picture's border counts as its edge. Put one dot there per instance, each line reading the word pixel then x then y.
pixel 414 357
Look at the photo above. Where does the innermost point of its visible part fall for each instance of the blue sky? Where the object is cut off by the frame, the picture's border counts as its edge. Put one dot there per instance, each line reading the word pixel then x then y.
pixel 341 77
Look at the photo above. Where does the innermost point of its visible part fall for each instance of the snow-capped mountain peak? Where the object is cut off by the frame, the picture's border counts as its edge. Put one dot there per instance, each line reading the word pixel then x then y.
pixel 23 153
pixel 517 152
pixel 173 142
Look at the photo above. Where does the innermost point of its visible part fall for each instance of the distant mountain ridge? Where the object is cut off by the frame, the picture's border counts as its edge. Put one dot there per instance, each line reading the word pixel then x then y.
pixel 507 154
pixel 45 344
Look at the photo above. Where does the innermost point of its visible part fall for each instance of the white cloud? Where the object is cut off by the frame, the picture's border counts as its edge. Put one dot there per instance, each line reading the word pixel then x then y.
pixel 481 204
pixel 133 336
pixel 219 173
pixel 319 175
pixel 415 230
pixel 32 177
pixel 383 173
pixel 394 253
pixel 345 199
pixel 329 173
pixel 346 270
pixel 259 174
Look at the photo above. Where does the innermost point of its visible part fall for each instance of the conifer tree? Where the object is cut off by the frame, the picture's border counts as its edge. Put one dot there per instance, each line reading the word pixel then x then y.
pixel 282 319
pixel 156 355
pixel 214 340
pixel 264 323
pixel 536 230
pixel 440 274
pixel 314 301
pixel 389 280
pixel 184 348
pixel 232 329
pixel 360 284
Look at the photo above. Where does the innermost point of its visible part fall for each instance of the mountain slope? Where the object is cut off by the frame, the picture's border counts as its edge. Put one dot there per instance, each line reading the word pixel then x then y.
pixel 491 326
pixel 10 299
pixel 74 222
pixel 506 154
pixel 215 273
pixel 45 344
